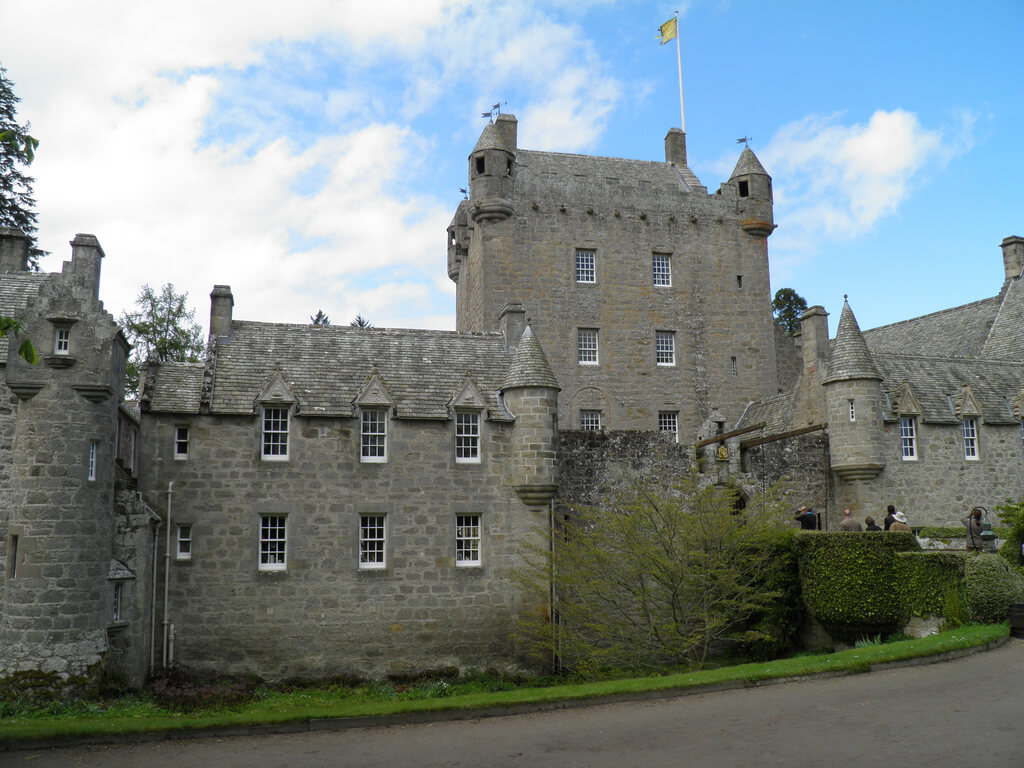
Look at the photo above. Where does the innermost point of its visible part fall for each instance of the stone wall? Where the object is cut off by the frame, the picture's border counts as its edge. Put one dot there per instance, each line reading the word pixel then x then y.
pixel 800 464
pixel 324 615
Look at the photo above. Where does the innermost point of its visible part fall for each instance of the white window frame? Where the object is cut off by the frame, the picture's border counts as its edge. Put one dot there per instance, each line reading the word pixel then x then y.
pixel 970 428
pixel 467 437
pixel 467 541
pixel 661 270
pixel 590 420
pixel 908 438
pixel 183 542
pixel 274 438
pixel 62 341
pixel 373 542
pixel 273 555
pixel 93 449
pixel 586 265
pixel 118 601
pixel 588 346
pixel 665 348
pixel 373 435
pixel 668 424
pixel 181 442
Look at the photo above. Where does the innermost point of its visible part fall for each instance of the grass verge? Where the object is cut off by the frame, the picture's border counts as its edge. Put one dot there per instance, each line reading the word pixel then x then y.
pixel 124 717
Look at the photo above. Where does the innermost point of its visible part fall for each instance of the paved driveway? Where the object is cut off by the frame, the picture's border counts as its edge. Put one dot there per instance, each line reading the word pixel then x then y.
pixel 966 713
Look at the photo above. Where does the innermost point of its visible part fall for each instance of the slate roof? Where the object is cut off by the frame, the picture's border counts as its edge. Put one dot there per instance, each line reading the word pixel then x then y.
pixel 490 138
pixel 530 367
pixel 850 357
pixel 1006 338
pixel 326 368
pixel 16 288
pixel 934 380
pixel 955 332
pixel 748 164
pixel 776 412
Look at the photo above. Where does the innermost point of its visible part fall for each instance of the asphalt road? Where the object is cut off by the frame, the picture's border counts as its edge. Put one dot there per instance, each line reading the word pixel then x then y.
pixel 967 713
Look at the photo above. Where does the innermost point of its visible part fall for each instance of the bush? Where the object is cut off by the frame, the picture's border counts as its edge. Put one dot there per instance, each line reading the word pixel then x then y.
pixel 1012 514
pixel 926 581
pixel 851 582
pixel 186 690
pixel 991 584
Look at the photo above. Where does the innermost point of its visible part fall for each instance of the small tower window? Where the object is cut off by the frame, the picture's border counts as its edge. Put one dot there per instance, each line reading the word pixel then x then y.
pixel 732 365
pixel 62 341
pixel 853 412
pixel 739 281
pixel 480 165
pixel 508 168
pixel 744 189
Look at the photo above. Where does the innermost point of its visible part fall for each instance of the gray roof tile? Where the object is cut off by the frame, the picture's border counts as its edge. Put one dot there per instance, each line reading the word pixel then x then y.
pixel 850 356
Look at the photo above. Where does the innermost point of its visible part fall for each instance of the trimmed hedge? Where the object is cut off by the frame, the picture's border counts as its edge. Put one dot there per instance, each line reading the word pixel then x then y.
pixel 991 585
pixel 851 582
pixel 932 583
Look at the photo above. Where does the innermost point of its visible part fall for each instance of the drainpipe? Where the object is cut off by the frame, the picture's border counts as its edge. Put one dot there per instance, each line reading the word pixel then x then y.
pixel 167 574
pixel 152 603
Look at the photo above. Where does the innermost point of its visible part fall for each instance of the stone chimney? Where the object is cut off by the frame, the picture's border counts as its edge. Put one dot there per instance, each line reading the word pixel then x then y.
pixel 508 128
pixel 13 250
pixel 1013 256
pixel 814 333
pixel 86 260
pixel 221 303
pixel 512 323
pixel 675 147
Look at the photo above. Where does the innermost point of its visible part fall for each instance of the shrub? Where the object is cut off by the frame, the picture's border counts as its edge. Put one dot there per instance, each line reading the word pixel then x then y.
pixel 926 581
pixel 1012 514
pixel 991 584
pixel 186 690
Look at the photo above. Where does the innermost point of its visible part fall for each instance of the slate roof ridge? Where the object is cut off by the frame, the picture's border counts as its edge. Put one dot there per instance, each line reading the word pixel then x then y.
pixel 244 324
pixel 851 358
pixel 949 358
pixel 594 157
pixel 937 313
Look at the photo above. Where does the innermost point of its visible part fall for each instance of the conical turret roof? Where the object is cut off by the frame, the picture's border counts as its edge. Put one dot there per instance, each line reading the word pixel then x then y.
pixel 530 367
pixel 851 358
pixel 748 164
pixel 490 139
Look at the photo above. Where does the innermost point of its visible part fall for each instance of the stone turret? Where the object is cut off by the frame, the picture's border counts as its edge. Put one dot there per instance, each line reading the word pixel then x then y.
pixel 853 395
pixel 754 188
pixel 531 395
pixel 492 171
pixel 459 233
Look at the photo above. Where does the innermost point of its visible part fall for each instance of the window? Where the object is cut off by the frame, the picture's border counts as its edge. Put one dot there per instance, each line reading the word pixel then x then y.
pixel 853 412
pixel 12 557
pixel 62 341
pixel 590 421
pixel 372 541
pixel 92 460
pixel 467 540
pixel 668 424
pixel 273 542
pixel 732 366
pixel 374 436
pixel 739 281
pixel 184 550
pixel 275 434
pixel 467 437
pixel 118 599
pixel 665 347
pixel 181 442
pixel 586 266
pixel 662 269
pixel 744 188
pixel 971 438
pixel 586 346
pixel 908 438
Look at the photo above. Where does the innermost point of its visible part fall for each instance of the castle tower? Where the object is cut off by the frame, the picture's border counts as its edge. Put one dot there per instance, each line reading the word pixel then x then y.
pixel 491 171
pixel 754 187
pixel 531 394
pixel 853 397
pixel 58 597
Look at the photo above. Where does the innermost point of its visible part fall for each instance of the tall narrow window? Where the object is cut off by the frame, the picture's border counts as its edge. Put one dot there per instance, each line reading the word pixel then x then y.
pixel 908 438
pixel 467 437
pixel 374 435
pixel 590 420
pixel 661 267
pixel 739 281
pixel 118 600
pixel 586 266
pixel 62 341
pixel 181 442
pixel 586 346
pixel 665 347
pixel 467 540
pixel 971 438
pixel 92 459
pixel 732 366
pixel 372 541
pixel 668 424
pixel 184 549
pixel 853 411
pixel 273 542
pixel 275 434
pixel 12 556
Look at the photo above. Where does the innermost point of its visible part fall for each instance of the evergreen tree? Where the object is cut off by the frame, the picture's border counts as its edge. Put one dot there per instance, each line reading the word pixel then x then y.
pixel 17 151
pixel 162 329
pixel 360 322
pixel 319 318
pixel 787 306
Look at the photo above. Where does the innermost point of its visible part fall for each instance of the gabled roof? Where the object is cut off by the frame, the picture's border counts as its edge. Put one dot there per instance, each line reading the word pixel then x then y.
pixel 956 332
pixel 327 368
pixel 775 412
pixel 850 357
pixel 1006 337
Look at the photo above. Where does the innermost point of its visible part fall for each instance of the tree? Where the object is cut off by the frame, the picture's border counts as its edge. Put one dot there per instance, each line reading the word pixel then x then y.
pixel 163 328
pixel 658 577
pixel 360 322
pixel 787 306
pixel 17 151
pixel 319 318
pixel 11 327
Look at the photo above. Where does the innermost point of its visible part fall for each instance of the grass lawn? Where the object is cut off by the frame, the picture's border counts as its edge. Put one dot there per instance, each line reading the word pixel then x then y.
pixel 139 714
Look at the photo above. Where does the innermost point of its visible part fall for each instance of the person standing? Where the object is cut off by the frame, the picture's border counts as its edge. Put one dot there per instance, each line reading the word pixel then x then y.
pixel 869 524
pixel 973 523
pixel 808 520
pixel 849 523
pixel 890 517
pixel 899 522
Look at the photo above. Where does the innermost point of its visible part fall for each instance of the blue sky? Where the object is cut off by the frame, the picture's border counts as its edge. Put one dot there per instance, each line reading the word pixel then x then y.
pixel 310 154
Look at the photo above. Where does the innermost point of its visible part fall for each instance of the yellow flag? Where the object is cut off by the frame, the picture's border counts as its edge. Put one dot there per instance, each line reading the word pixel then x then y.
pixel 668 31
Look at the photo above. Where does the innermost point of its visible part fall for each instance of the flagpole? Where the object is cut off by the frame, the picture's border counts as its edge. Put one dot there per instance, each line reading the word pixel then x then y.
pixel 679 63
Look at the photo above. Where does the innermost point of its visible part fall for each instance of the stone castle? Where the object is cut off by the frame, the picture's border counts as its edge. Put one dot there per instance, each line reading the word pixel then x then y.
pixel 313 501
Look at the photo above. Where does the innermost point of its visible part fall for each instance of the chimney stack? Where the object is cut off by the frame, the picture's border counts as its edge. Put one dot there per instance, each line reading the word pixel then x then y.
pixel 13 250
pixel 675 147
pixel 221 302
pixel 814 330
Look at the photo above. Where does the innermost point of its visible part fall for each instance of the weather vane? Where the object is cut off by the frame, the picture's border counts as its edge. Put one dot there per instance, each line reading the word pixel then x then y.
pixel 493 111
pixel 745 140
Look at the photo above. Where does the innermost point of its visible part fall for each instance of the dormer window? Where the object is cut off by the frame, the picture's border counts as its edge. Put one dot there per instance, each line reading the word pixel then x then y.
pixel 744 188
pixel 467 437
pixel 62 341
pixel 373 436
pixel 275 433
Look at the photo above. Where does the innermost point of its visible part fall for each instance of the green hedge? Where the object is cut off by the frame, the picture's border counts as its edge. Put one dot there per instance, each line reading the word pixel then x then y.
pixel 991 585
pixel 851 582
pixel 932 583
